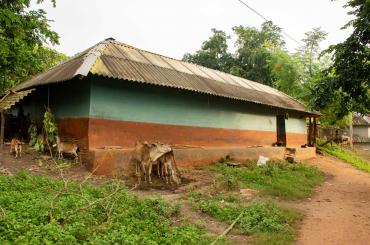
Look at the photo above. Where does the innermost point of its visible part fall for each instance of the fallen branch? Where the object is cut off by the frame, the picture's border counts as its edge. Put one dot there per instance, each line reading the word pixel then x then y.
pixel 228 229
pixel 98 201
pixel 56 197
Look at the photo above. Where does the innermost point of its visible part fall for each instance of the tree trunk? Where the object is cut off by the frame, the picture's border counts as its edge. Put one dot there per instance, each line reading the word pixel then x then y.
pixel 314 131
pixel 351 131
pixel 2 130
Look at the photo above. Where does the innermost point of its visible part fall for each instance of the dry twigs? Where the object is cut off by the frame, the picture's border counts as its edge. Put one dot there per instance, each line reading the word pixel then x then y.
pixel 228 229
pixel 56 197
pixel 82 195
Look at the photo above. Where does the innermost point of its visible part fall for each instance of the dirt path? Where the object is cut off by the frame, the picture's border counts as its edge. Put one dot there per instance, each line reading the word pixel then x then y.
pixel 339 211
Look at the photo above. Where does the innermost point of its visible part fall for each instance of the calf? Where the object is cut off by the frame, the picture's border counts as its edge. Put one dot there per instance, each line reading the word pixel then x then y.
pixel 66 148
pixel 142 160
pixel 16 145
pixel 145 155
pixel 168 167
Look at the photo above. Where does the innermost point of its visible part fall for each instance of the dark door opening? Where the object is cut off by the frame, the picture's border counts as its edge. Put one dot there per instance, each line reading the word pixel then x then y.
pixel 280 130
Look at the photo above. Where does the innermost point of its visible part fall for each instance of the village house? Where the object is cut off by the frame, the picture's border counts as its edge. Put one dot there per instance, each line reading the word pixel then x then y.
pixel 112 94
pixel 361 128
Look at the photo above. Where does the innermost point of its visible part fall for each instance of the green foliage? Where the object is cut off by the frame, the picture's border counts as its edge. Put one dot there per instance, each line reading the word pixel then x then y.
pixel 347 79
pixel 213 53
pixel 254 50
pixel 32 133
pixel 345 155
pixel 40 143
pixel 121 219
pixel 251 58
pixel 23 33
pixel 260 219
pixel 287 71
pixel 279 179
pixel 310 50
pixel 50 126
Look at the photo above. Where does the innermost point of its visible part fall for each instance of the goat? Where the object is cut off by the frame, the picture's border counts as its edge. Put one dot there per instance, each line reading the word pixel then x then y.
pixel 16 145
pixel 66 148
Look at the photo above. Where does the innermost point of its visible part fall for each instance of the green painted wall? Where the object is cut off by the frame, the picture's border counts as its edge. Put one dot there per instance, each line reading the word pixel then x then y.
pixel 68 99
pixel 71 99
pixel 120 100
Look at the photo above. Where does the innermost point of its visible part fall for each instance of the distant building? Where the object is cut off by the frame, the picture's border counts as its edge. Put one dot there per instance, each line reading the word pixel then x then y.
pixel 361 128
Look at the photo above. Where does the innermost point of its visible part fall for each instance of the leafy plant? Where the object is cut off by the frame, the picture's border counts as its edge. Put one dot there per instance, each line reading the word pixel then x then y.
pixel 40 143
pixel 50 126
pixel 41 210
pixel 32 133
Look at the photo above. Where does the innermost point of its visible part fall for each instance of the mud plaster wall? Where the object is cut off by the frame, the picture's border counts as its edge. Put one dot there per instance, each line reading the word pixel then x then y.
pixel 118 161
pixel 123 112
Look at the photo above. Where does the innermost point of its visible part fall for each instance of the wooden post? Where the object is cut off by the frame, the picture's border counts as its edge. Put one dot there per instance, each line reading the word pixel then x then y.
pixel 351 130
pixel 309 132
pixel 2 130
pixel 314 131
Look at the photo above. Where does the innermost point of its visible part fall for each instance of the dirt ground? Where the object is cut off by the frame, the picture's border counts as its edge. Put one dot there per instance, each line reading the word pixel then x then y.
pixel 337 213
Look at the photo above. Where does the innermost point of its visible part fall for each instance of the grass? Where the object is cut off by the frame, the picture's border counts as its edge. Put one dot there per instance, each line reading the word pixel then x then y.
pixel 347 156
pixel 266 222
pixel 28 215
pixel 278 179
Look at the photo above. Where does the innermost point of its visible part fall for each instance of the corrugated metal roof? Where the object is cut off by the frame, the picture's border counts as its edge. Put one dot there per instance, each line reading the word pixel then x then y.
pixel 113 59
pixel 361 120
pixel 11 98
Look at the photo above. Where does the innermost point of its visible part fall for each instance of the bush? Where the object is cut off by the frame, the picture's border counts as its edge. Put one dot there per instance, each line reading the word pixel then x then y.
pixel 262 220
pixel 346 155
pixel 30 218
pixel 279 178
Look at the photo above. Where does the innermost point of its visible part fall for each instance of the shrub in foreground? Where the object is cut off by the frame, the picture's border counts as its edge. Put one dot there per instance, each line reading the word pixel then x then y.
pixel 40 210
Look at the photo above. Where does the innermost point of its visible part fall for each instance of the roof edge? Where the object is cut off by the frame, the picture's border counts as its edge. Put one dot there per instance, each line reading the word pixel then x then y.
pixel 91 57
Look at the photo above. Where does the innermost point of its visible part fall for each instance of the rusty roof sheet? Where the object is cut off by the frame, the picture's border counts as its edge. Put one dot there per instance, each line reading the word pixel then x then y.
pixel 11 98
pixel 113 59
pixel 360 120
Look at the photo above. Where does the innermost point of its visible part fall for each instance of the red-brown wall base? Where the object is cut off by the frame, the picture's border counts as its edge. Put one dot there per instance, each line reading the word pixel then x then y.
pixel 104 132
pixel 112 161
pixel 93 134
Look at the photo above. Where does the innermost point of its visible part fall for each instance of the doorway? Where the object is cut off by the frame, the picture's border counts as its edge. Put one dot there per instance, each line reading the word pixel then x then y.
pixel 280 130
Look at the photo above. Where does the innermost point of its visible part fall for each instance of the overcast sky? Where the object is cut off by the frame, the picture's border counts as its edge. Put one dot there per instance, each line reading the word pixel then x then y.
pixel 174 27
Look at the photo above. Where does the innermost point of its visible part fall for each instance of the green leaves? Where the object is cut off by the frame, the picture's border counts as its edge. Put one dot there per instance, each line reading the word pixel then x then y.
pixel 23 33
pixel 348 76
pixel 50 126
pixel 26 201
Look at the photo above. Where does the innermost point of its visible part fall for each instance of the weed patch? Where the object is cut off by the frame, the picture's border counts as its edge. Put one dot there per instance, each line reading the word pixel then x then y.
pixel 265 221
pixel 279 179
pixel 27 202
pixel 347 156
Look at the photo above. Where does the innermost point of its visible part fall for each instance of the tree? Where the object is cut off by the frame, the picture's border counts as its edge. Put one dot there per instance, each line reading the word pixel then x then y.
pixel 250 61
pixel 213 53
pixel 287 71
pixel 309 52
pixel 346 81
pixel 23 33
pixel 254 50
